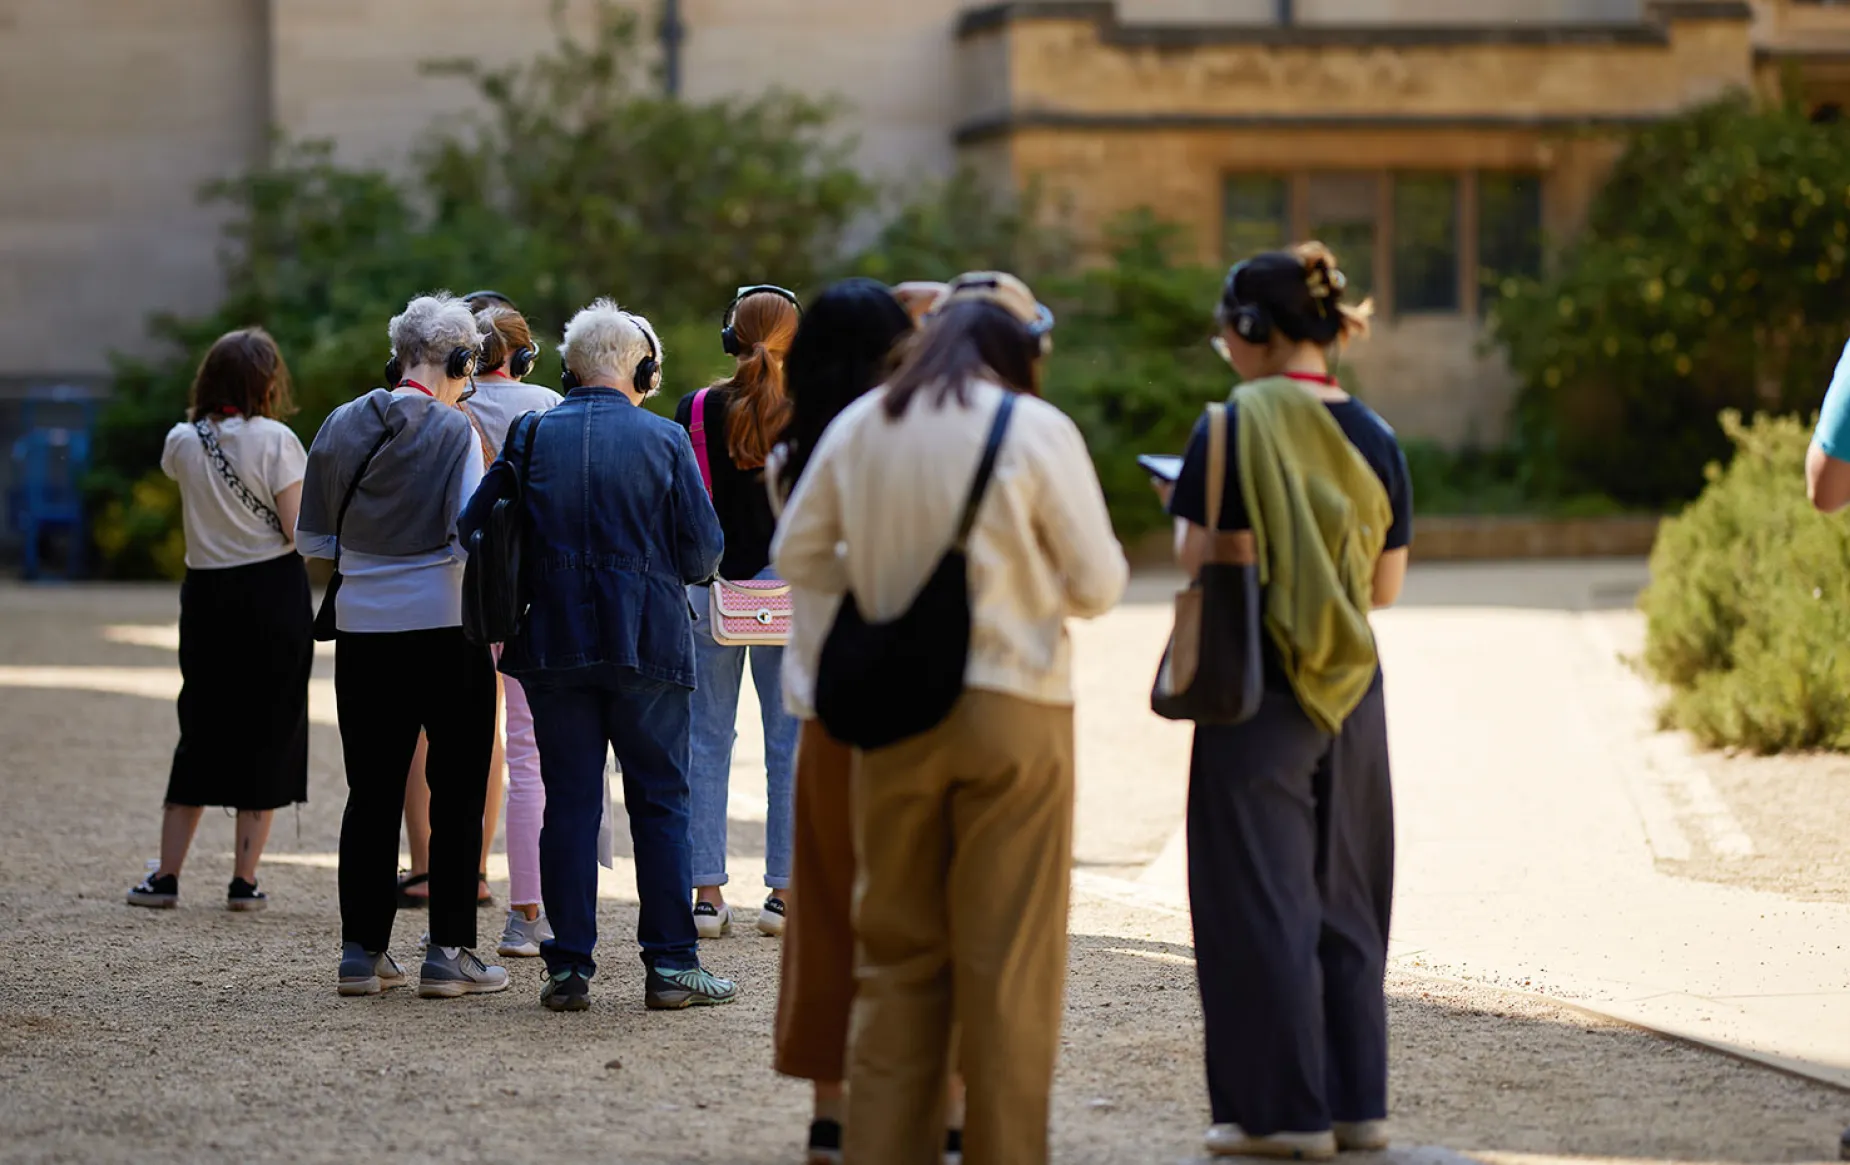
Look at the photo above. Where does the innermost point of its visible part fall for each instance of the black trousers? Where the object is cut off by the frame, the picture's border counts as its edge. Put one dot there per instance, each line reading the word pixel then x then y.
pixel 387 688
pixel 1291 878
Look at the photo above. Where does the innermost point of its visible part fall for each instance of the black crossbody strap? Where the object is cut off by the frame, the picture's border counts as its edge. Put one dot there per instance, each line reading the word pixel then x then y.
pixel 353 487
pixel 986 468
pixel 232 481
pixel 526 455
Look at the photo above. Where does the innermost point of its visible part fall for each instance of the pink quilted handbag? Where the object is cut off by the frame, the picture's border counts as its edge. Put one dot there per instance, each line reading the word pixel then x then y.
pixel 751 613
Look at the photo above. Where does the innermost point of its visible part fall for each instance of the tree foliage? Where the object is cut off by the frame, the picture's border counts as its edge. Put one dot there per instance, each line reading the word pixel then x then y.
pixel 1714 273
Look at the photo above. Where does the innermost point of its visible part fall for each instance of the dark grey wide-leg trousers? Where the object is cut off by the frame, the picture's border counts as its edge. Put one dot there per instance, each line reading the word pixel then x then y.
pixel 1291 878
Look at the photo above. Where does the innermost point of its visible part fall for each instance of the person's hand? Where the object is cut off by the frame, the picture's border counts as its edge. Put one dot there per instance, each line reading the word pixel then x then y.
pixel 917 297
pixel 1164 490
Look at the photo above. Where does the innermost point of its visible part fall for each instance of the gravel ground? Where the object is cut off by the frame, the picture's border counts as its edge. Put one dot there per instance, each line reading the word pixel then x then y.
pixel 197 1035
pixel 1797 811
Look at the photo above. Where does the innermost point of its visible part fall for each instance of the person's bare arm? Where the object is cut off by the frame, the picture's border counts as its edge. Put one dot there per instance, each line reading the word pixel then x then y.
pixel 288 508
pixel 1827 481
pixel 1390 576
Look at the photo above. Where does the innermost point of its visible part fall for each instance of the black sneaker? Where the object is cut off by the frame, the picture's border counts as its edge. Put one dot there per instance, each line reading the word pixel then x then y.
pixel 567 990
pixel 162 893
pixel 824 1143
pixel 245 897
pixel 954 1147
pixel 694 987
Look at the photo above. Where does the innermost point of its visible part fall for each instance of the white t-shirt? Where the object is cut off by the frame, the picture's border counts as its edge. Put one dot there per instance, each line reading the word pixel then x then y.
pixel 221 530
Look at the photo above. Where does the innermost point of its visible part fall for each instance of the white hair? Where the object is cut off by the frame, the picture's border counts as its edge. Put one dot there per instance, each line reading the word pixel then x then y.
pixel 431 327
pixel 603 338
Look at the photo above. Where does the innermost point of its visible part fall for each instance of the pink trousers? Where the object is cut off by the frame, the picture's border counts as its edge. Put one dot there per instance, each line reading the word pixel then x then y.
pixel 526 800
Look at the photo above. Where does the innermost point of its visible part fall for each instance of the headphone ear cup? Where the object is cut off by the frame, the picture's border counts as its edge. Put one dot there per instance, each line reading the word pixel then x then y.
pixel 1252 325
pixel 521 362
pixel 394 372
pixel 461 363
pixel 729 340
pixel 648 376
pixel 568 381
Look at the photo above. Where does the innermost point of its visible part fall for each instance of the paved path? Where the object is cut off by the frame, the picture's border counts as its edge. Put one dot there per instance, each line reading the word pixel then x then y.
pixel 1533 802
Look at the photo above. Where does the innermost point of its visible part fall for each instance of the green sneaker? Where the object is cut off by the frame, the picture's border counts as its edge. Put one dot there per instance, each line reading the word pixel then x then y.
pixel 694 987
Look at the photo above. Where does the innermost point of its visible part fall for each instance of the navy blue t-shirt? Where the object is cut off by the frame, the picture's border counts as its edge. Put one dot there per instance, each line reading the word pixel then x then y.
pixel 1361 424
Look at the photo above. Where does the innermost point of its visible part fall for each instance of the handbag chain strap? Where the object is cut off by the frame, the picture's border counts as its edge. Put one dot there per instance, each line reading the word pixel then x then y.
pixel 239 490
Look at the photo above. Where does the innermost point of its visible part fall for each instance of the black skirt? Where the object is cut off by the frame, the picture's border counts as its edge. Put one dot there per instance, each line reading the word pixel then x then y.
pixel 246 650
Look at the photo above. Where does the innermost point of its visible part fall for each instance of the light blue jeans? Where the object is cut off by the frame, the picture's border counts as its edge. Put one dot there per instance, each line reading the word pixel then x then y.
pixel 719 672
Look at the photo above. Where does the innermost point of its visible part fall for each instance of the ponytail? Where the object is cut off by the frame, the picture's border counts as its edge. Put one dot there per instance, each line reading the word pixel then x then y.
pixel 764 324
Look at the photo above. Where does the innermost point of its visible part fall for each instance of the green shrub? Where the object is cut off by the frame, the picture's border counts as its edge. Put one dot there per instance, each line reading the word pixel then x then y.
pixel 1748 611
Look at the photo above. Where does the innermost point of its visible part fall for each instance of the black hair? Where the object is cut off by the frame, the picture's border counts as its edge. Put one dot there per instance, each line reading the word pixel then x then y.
pixel 1300 291
pixel 843 347
pixel 967 341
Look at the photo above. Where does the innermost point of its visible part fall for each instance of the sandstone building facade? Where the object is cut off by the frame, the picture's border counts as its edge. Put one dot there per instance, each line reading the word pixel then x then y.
pixel 1435 143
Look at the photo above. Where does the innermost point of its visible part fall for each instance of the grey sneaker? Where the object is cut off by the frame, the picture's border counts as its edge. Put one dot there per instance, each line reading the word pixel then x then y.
pixel 1232 1141
pixel 695 987
pixel 1361 1136
pixel 364 972
pixel 521 939
pixel 447 978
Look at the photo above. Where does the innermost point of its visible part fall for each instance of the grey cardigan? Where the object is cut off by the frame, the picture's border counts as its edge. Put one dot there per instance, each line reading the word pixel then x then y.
pixel 406 502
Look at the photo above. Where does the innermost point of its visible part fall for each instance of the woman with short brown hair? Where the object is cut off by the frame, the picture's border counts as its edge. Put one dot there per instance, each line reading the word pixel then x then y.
pixel 245 645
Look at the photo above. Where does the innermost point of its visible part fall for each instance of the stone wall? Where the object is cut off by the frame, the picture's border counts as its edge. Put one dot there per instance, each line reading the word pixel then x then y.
pixel 111 117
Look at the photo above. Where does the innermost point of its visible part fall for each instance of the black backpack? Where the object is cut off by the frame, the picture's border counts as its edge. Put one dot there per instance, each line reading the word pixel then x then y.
pixel 881 683
pixel 491 600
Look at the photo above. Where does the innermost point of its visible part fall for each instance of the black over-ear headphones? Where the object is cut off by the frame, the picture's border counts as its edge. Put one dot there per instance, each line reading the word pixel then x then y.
pixel 648 373
pixel 520 361
pixel 461 363
pixel 729 339
pixel 1249 321
pixel 394 371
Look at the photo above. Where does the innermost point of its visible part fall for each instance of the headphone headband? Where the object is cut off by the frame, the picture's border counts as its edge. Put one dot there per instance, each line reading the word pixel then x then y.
pixel 729 339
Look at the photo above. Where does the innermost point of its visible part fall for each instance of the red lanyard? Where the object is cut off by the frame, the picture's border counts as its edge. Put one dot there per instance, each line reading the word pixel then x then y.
pixel 416 385
pixel 1313 378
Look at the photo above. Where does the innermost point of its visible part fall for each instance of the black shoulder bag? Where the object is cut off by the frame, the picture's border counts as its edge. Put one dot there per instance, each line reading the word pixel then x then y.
pixel 325 630
pixel 491 606
pixel 881 683
pixel 1212 671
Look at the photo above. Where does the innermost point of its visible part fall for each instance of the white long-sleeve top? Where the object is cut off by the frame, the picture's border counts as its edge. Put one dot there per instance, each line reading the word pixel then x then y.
pixel 878 506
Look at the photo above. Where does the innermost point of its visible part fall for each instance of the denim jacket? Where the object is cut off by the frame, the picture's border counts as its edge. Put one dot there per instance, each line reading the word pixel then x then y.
pixel 618 524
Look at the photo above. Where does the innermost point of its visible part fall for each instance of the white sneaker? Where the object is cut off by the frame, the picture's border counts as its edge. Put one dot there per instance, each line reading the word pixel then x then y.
pixel 711 921
pixel 521 939
pixel 1361 1136
pixel 771 917
pixel 1232 1141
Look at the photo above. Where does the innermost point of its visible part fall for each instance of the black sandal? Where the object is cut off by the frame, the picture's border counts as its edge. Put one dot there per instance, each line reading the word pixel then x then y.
pixel 409 901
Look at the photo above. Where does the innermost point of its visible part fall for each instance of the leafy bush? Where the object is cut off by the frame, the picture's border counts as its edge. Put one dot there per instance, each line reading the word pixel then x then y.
pixel 1749 607
pixel 1714 273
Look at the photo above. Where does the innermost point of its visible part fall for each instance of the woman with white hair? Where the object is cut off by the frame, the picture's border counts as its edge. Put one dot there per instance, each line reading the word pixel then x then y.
pixel 387 476
pixel 617 525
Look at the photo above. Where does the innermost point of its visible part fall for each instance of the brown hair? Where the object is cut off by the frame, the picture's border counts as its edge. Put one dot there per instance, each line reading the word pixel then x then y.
pixel 504 332
pixel 765 323
pixel 966 341
pixel 243 373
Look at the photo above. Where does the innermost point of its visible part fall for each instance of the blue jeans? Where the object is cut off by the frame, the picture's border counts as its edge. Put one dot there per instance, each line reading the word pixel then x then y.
pixel 646 723
pixel 720 671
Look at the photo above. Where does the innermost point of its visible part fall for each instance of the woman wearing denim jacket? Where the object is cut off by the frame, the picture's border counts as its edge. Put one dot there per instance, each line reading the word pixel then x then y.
pixel 618 524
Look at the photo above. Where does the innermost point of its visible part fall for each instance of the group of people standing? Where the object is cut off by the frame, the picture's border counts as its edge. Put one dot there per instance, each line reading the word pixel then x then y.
pixel 871 449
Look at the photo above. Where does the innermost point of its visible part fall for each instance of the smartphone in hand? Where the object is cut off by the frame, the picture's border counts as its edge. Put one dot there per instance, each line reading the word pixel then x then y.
pixel 1161 466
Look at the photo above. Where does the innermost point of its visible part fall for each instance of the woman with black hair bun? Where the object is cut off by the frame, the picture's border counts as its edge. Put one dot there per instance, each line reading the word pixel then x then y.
pixel 1290 813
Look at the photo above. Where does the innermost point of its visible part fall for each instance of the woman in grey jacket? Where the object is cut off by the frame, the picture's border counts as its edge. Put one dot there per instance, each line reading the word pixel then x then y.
pixel 387 476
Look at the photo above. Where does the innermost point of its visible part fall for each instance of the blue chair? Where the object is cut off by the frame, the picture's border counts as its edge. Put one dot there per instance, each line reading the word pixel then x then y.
pixel 49 465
